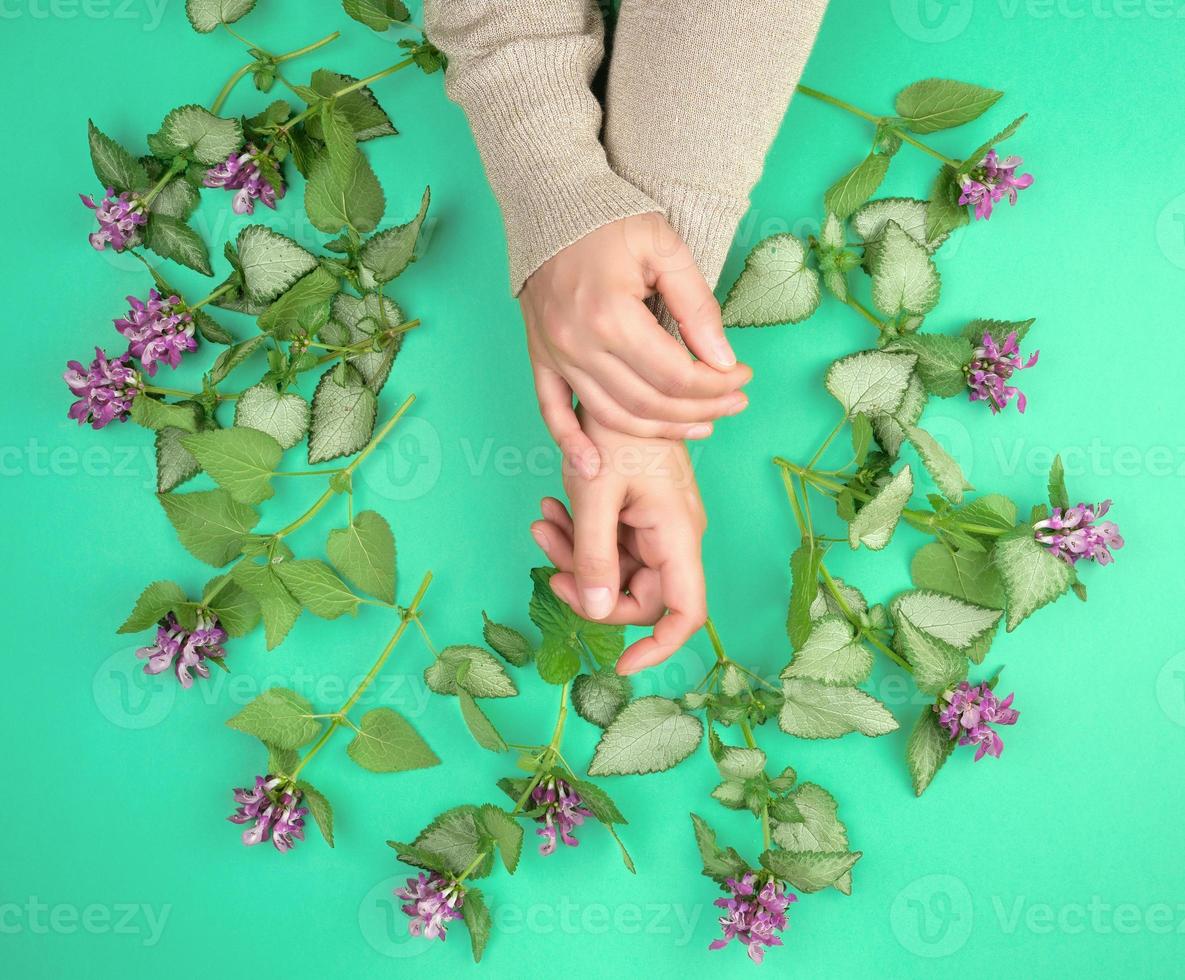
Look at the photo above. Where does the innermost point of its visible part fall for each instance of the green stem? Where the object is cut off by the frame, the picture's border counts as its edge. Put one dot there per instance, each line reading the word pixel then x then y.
pixel 242 72
pixel 226 287
pixel 302 116
pixel 750 741
pixel 326 472
pixel 828 441
pixel 329 494
pixel 175 168
pixel 723 659
pixel 898 131
pixel 361 345
pixel 339 718
pixel 850 615
pixel 180 393
pixel 865 312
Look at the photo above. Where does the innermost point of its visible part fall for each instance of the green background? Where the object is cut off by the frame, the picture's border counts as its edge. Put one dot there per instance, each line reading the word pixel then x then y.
pixel 1063 858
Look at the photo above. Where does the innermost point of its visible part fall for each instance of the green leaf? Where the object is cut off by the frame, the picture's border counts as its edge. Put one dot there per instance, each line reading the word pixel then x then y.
pixel 389 252
pixel 904 277
pixel 949 619
pixel 969 575
pixel 455 839
pixel 114 166
pixel 944 213
pixel 875 522
pixel 474 913
pixel 831 655
pixel 482 676
pixel 890 429
pixel 206 15
pixel 270 263
pixel 872 382
pixel 856 186
pixel 908 214
pixel 241 461
pixel 155 602
pixel 178 199
pixel 563 630
pixel 283 416
pixel 506 832
pixel 929 747
pixel 171 238
pixel 211 524
pixel 1058 496
pixel 599 697
pixel 233 356
pixel 378 15
pixel 937 666
pixel 597 801
pixel 997 329
pixel 319 808
pixel 776 286
pixel 558 659
pixel 279 609
pixel 509 643
pixel 817 828
pixel 1007 132
pixel 364 553
pixel 174 463
pixel 343 416
pixel 804 587
pixel 359 109
pixel 1032 576
pixel 417 857
pixel 940 103
pixel 152 413
pixel 942 361
pixel 237 610
pixel 814 710
pixel 480 727
pixel 352 321
pixel 197 134
pixel 649 735
pixel 720 863
pixel 302 309
pixel 317 588
pixel 826 604
pixel 810 871
pixel 337 198
pixel 737 762
pixel 279 717
pixel 386 742
pixel 941 466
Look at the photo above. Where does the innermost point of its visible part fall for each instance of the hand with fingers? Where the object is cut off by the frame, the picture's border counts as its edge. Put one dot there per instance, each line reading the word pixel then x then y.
pixel 591 334
pixel 629 552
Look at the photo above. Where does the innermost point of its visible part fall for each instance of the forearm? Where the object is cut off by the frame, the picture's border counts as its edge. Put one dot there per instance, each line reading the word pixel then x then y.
pixel 521 71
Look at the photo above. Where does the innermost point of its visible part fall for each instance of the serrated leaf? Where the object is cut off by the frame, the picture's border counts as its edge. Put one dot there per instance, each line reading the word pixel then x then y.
pixel 378 15
pixel 775 286
pixel 483 676
pixel 315 586
pixel 562 628
pixel 1006 133
pixel 908 214
pixel 207 15
pixel 319 809
pixel 197 134
pixel 872 382
pixel 171 238
pixel 826 604
pixel 968 575
pixel 949 619
pixel 944 213
pixel 856 186
pixel 304 308
pixel 342 417
pixel 155 602
pixel 804 586
pixel 364 553
pixel 232 357
pixel 937 666
pixel 904 277
pixel 178 199
pixel 739 762
pixel 558 659
pixel 270 263
pixel 152 413
pixel 283 416
pixel 998 330
pixel 597 801
pixel 941 103
pixel 480 726
pixel 599 697
pixel 455 839
pixel 875 522
pixel 279 717
pixel 649 735
pixel 335 199
pixel 475 915
pixel 276 604
pixel 237 610
pixel 942 361
pixel 389 252
pixel 890 429
pixel 353 319
pixel 1032 576
pixel 359 109
pixel 386 742
pixel 114 166
pixel 1058 496
pixel 506 832
pixel 241 461
pixel 814 710
pixel 942 467
pixel 831 655
pixel 508 643
pixel 929 747
pixel 211 524
pixel 720 863
pixel 809 871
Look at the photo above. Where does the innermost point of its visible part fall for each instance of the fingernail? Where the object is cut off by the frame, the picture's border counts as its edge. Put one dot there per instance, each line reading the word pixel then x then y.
pixel 598 602
pixel 723 353
pixel 540 538
pixel 700 431
pixel 738 405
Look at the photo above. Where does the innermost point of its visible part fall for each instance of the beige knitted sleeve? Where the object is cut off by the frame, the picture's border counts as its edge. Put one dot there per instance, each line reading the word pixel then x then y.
pixel 521 70
pixel 696 94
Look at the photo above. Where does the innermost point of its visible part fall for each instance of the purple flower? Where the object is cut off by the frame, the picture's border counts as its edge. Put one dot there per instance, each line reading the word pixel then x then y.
pixel 119 218
pixel 105 390
pixel 253 174
pixel 433 901
pixel 1072 534
pixel 991 367
pixel 274 804
pixel 969 712
pixel 563 811
pixel 753 917
pixel 990 181
pixel 159 330
pixel 184 650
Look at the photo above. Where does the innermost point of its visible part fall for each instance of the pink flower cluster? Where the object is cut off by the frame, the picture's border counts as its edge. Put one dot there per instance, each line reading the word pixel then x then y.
pixel 105 390
pixel 432 902
pixel 991 181
pixel 120 219
pixel 563 812
pixel 1072 535
pixel 244 171
pixel 159 330
pixel 274 804
pixel 753 916
pixel 185 650
pixel 990 368
pixel 968 713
